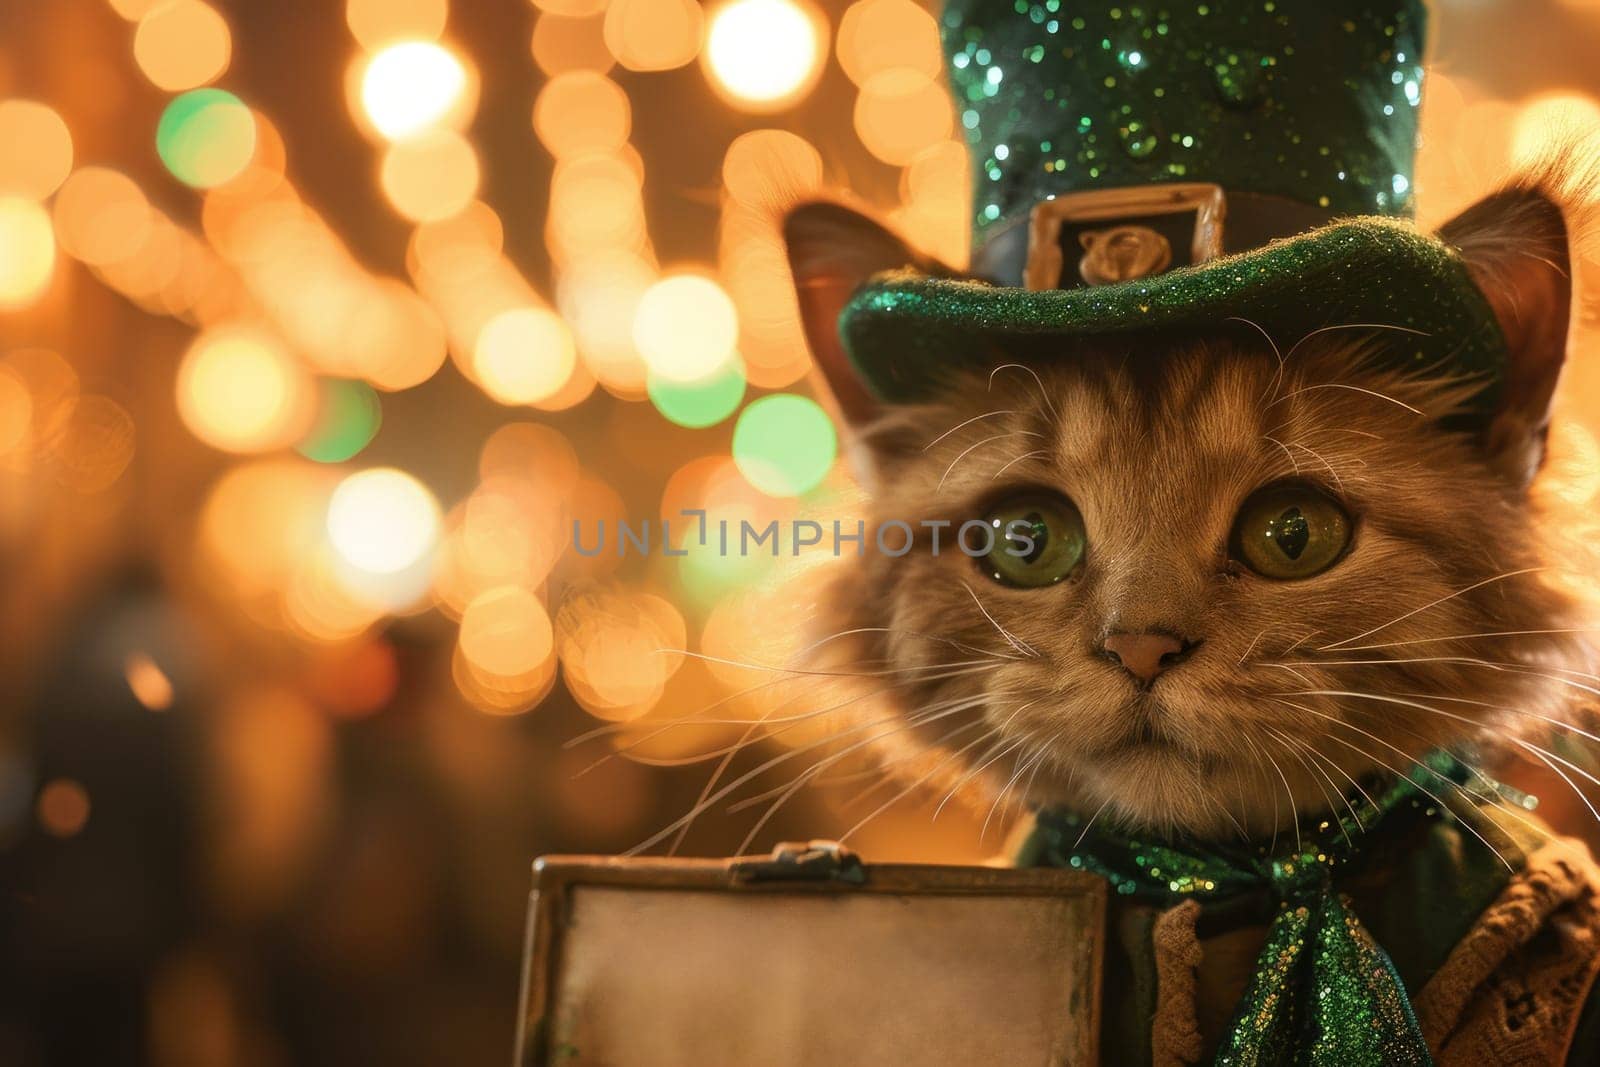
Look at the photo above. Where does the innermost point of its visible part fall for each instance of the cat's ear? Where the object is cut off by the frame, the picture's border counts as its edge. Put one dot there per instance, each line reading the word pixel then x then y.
pixel 832 251
pixel 1516 245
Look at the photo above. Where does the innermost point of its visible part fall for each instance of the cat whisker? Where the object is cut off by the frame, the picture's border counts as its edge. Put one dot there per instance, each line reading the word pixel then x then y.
pixel 974 447
pixel 722 793
pixel 1353 326
pixel 1037 454
pixel 1383 698
pixel 1355 783
pixel 1309 635
pixel 1294 811
pixel 804 672
pixel 963 425
pixel 941 638
pixel 1014 641
pixel 1290 747
pixel 1318 456
pixel 1277 354
pixel 1471 661
pixel 1023 762
pixel 908 790
pixel 1573 727
pixel 1432 604
pixel 789 721
pixel 1411 759
pixel 987 653
pixel 805 777
pixel 1226 814
pixel 1286 453
pixel 1262 770
pixel 997 751
pixel 1252 646
pixel 1044 394
pixel 928 672
pixel 1470 637
pixel 1547 757
pixel 1090 823
pixel 1352 388
pixel 1000 730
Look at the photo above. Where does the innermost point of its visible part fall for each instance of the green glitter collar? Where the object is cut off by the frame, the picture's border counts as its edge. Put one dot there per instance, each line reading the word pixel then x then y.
pixel 1323 992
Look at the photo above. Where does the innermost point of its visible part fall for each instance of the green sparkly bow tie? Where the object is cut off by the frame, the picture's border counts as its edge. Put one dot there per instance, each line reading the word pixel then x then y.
pixel 1323 993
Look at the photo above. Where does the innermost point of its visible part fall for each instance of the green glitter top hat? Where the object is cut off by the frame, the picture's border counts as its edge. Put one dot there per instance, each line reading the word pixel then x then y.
pixel 1176 165
pixel 1308 100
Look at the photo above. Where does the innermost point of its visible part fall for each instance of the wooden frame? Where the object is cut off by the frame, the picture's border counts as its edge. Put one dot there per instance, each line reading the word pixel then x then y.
pixel 557 878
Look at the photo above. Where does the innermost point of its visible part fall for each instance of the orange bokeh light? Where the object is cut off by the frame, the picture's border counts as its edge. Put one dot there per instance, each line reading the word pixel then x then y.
pixel 654 34
pixel 182 44
pixel 35 149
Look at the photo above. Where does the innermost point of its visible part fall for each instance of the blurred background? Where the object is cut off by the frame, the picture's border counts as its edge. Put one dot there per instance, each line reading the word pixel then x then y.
pixel 320 322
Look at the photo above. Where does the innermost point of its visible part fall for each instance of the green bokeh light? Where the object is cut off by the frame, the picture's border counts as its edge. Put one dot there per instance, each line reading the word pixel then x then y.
pixel 348 417
pixel 206 137
pixel 706 573
pixel 701 403
pixel 784 444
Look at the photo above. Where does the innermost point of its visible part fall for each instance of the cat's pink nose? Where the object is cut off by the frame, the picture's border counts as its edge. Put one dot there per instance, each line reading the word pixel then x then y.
pixel 1144 655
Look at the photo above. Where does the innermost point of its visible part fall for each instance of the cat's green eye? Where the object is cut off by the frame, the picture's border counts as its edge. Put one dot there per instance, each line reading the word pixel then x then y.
pixel 1290 531
pixel 1038 540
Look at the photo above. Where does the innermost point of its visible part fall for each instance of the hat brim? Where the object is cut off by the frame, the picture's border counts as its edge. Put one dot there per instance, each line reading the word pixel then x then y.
pixel 908 333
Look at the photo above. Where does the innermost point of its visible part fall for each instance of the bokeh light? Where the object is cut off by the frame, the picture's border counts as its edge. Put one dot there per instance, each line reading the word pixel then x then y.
pixel 16 411
pixel 524 355
pixel 686 327
pixel 382 520
pixel 134 10
pixel 430 177
pixel 575 8
pixel 506 632
pixel 531 453
pixel 618 648
pixel 702 402
pixel 935 192
pixel 348 416
pixel 376 23
pixel 182 44
pixel 581 111
pixel 562 43
pixel 595 203
pixel 206 137
pixel 63 807
pixel 147 682
pixel 770 169
pixel 27 251
pixel 785 444
pixel 52 394
pixel 599 296
pixel 715 484
pixel 900 112
pixel 101 216
pixel 95 446
pixel 764 54
pixel 35 149
pixel 653 34
pixel 411 87
pixel 240 390
pixel 401 333
pixel 880 35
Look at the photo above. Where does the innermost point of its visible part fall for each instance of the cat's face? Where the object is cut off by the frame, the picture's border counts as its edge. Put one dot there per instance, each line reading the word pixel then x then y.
pixel 1266 575
pixel 1164 665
